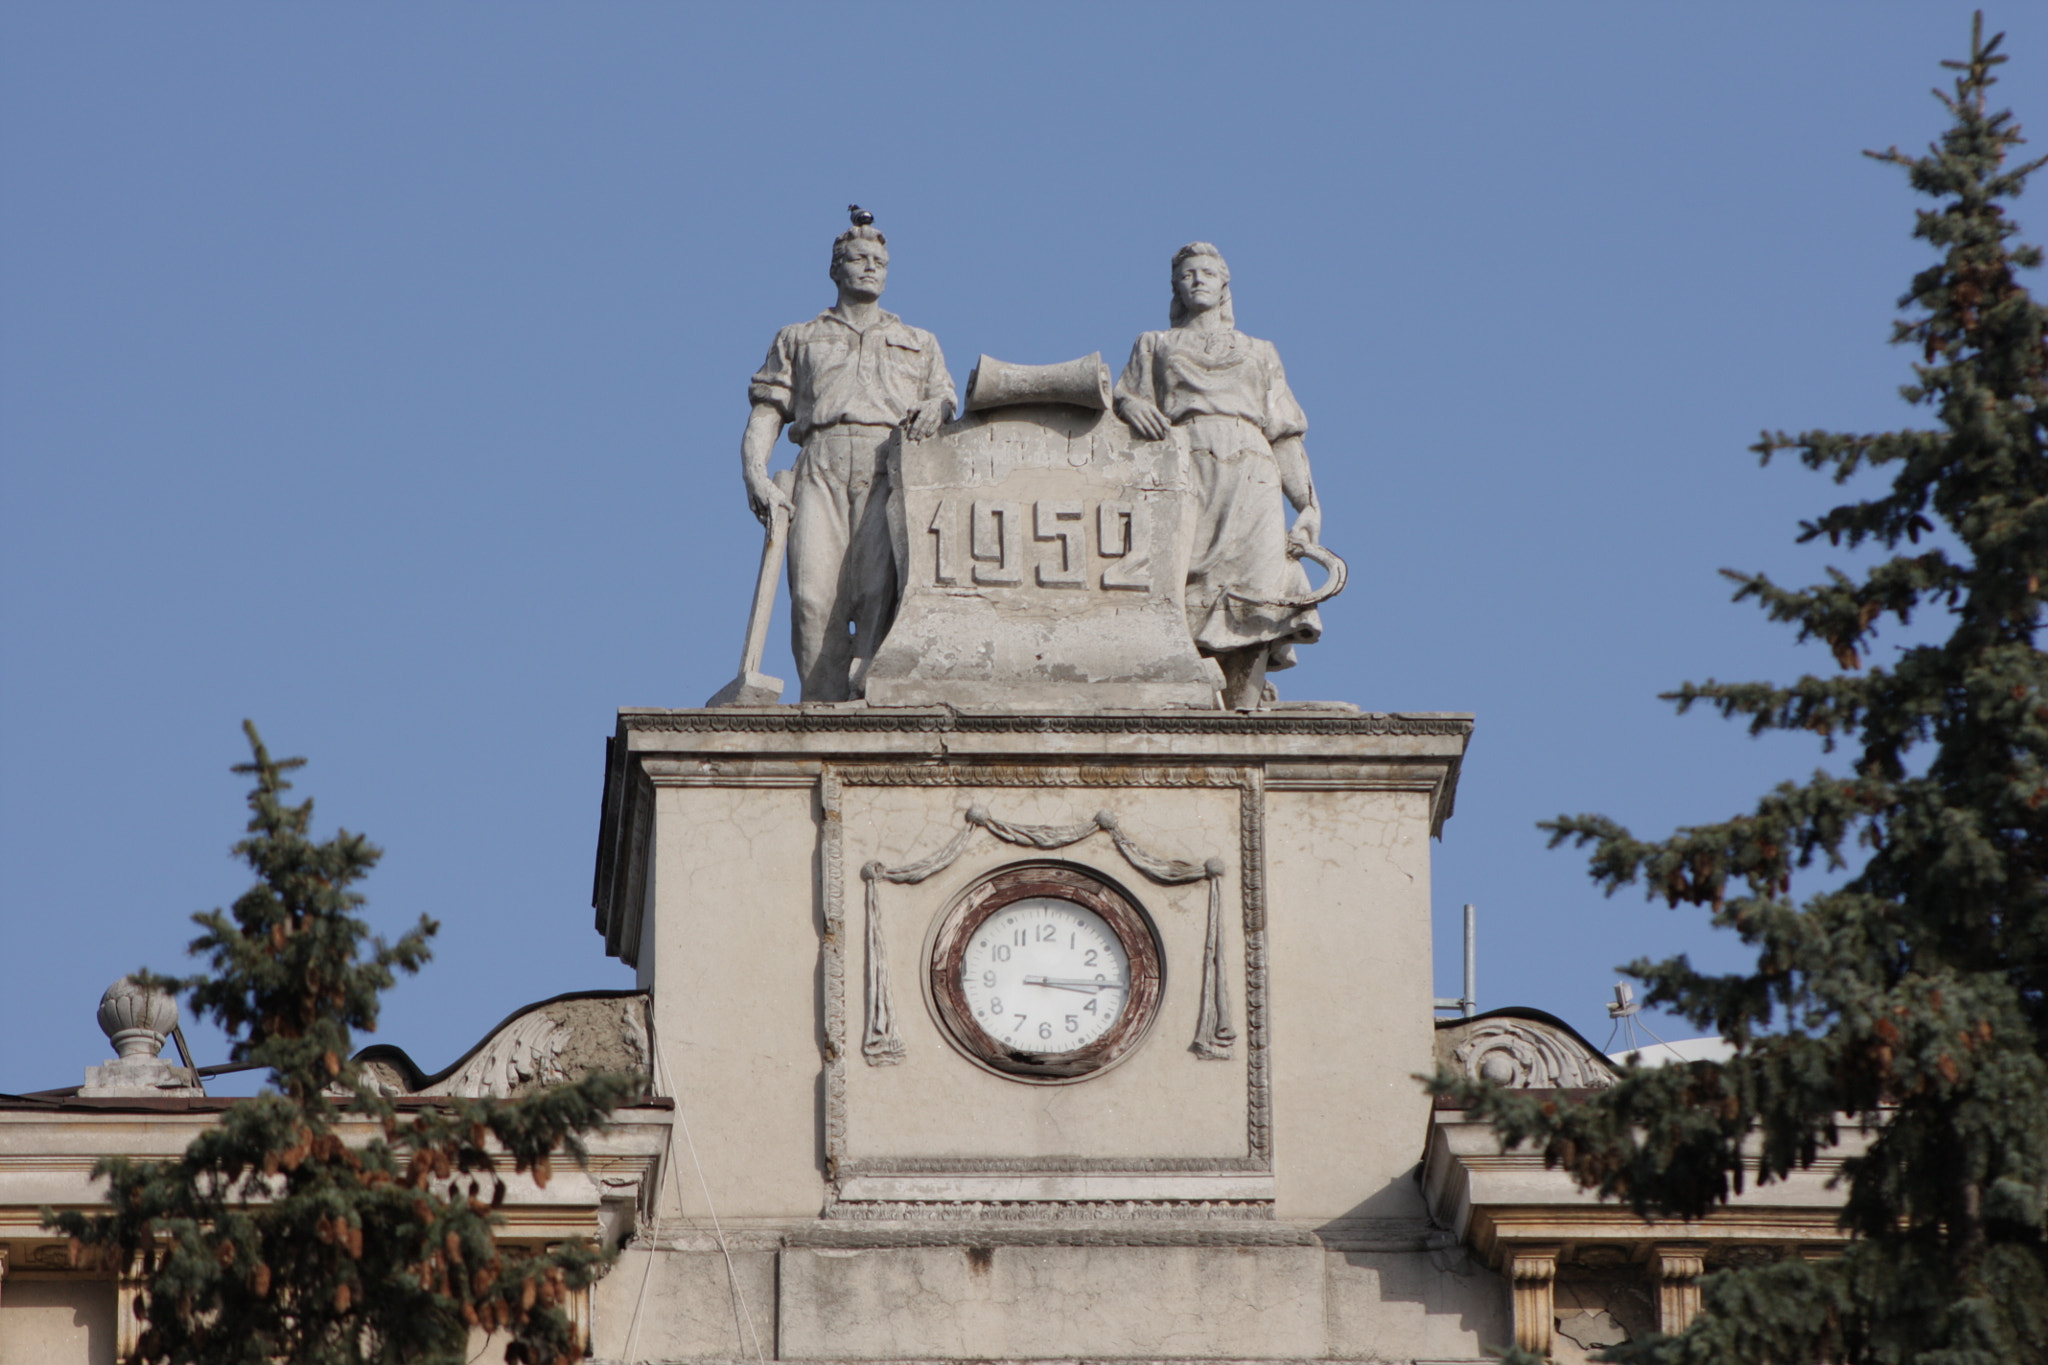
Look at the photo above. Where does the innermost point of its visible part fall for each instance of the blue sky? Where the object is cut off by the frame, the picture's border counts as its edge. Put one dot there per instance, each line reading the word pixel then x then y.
pixel 377 372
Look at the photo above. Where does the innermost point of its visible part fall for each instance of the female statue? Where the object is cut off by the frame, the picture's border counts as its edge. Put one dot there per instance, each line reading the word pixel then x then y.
pixel 1228 396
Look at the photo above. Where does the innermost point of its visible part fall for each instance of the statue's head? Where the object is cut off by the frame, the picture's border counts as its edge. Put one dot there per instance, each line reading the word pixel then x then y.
pixel 1201 281
pixel 860 261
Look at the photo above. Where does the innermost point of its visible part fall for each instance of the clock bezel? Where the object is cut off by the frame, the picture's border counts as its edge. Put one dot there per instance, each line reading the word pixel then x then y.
pixel 993 891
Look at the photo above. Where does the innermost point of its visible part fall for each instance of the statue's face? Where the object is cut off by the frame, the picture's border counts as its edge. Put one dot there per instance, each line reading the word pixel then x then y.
pixel 863 267
pixel 1198 284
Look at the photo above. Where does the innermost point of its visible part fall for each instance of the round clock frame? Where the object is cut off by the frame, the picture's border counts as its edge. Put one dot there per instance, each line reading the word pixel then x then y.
pixel 989 894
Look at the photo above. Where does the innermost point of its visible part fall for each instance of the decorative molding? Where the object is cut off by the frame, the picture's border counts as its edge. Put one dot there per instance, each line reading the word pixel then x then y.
pixel 1190 1228
pixel 1251 886
pixel 1085 1188
pixel 1048 1210
pixel 832 847
pixel 1040 775
pixel 789 719
pixel 1248 781
pixel 1044 1165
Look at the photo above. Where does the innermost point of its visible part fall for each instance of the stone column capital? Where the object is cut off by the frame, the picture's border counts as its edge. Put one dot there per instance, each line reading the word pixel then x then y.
pixel 1677 1266
pixel 1533 1262
pixel 1533 1271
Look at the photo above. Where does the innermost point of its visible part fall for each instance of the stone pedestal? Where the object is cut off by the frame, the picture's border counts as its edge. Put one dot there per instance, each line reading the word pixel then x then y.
pixel 1241 1183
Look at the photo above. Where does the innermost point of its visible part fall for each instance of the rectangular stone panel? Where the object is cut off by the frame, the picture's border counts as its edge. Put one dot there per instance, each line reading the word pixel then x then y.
pixel 1040 1302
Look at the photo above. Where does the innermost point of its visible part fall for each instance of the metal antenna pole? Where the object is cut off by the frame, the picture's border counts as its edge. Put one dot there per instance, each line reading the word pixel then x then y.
pixel 1468 1003
pixel 1471 1000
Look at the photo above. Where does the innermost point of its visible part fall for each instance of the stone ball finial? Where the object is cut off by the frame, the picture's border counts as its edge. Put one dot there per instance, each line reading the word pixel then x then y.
pixel 136 1019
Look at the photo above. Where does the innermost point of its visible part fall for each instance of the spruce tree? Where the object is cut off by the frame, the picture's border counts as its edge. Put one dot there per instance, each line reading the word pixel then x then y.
pixel 1906 997
pixel 319 1222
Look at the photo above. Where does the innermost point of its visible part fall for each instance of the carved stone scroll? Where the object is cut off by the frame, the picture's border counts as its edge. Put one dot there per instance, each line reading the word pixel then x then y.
pixel 1214 1035
pixel 544 1044
pixel 1521 1054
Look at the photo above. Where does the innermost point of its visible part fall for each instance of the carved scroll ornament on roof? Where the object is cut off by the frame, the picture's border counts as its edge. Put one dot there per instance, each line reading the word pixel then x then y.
pixel 551 1043
pixel 1214 1035
pixel 1525 1054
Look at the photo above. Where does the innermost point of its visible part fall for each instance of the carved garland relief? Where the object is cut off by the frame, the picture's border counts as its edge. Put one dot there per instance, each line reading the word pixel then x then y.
pixel 881 1044
pixel 1214 1036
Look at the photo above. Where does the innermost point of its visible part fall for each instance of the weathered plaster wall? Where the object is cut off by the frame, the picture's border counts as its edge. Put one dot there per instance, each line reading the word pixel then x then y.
pixel 56 1321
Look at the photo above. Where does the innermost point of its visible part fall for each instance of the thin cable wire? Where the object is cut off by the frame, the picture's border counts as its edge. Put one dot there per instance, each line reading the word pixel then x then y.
pixel 668 1161
pixel 739 1294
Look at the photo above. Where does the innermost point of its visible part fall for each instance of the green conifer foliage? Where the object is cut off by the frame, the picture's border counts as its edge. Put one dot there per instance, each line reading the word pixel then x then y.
pixel 1909 1002
pixel 320 1223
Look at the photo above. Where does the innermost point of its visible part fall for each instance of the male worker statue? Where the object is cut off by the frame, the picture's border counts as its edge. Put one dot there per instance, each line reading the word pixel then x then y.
pixel 843 382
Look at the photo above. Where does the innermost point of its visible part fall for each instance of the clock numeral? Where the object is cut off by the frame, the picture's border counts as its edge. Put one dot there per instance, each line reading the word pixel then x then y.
pixel 1090 961
pixel 995 1007
pixel 1020 1019
pixel 1044 1030
pixel 1089 1008
pixel 1048 933
pixel 989 979
pixel 1073 1023
pixel 1022 937
pixel 1001 952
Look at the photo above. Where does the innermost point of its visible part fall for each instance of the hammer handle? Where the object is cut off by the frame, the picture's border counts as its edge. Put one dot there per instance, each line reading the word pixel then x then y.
pixel 771 574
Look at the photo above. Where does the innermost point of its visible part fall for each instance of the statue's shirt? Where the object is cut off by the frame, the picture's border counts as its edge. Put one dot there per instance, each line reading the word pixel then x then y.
pixel 826 371
pixel 1193 374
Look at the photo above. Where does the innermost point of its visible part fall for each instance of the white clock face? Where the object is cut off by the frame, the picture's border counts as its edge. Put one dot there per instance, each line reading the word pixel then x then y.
pixel 1045 975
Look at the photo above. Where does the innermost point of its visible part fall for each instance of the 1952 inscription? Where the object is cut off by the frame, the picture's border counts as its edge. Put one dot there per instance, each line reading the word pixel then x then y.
pixel 1069 544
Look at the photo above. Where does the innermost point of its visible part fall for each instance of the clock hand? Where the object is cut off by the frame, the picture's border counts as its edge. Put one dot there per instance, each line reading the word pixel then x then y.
pixel 1069 984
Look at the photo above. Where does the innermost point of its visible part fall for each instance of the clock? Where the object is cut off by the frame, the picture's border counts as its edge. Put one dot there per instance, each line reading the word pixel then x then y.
pixel 1045 972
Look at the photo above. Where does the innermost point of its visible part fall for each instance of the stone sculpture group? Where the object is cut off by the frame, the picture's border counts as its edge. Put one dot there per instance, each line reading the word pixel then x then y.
pixel 1201 410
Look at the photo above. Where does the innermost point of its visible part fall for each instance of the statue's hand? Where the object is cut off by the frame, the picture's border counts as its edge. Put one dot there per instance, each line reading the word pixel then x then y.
pixel 763 495
pixel 1308 527
pixel 1144 417
pixel 921 423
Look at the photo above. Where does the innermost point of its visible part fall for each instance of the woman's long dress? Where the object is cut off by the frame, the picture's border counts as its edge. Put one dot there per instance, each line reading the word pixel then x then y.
pixel 1227 397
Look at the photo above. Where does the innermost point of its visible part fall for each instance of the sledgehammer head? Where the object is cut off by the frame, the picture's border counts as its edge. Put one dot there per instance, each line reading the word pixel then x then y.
pixel 749 689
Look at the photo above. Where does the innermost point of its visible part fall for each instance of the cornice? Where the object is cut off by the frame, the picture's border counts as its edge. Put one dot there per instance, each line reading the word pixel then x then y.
pixel 867 720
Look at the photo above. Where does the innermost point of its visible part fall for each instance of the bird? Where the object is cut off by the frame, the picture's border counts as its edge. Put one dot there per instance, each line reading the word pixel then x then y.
pixel 861 217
